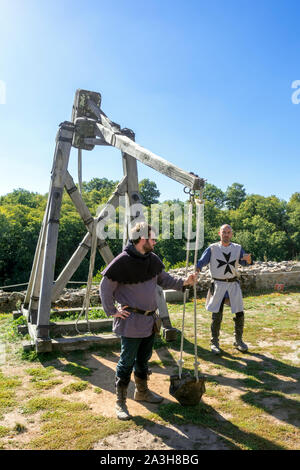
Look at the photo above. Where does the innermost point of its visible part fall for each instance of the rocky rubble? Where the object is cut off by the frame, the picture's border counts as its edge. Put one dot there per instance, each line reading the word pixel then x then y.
pixel 250 278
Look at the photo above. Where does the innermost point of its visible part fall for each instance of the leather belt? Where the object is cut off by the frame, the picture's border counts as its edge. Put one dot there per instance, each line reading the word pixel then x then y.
pixel 233 279
pixel 138 310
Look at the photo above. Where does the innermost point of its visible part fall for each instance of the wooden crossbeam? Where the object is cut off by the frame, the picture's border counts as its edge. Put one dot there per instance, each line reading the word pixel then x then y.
pixel 150 159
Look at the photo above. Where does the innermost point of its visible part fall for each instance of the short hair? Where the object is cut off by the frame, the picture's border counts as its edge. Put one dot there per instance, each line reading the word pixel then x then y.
pixel 225 225
pixel 140 230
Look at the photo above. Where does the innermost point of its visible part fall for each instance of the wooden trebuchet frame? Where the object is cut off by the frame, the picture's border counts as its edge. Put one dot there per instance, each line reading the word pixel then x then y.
pixel 89 126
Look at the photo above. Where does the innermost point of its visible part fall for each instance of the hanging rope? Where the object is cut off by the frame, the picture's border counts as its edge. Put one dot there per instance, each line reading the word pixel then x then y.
pixel 86 302
pixel 180 362
pixel 198 244
pixel 186 389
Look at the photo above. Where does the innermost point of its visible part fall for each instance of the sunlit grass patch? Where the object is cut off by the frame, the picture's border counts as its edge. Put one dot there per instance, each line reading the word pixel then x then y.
pixel 4 431
pixel 78 386
pixel 46 384
pixel 42 378
pixel 52 404
pixel 8 387
pixel 39 373
pixel 69 425
pixel 73 368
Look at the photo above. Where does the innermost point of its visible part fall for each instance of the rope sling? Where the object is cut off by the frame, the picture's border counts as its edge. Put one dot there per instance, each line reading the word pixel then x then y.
pixel 186 389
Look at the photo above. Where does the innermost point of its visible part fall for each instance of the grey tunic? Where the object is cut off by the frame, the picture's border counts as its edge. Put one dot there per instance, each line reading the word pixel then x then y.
pixel 142 296
pixel 224 265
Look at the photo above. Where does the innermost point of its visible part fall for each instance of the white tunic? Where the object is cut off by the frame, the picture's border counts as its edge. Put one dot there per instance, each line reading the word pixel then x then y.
pixel 223 264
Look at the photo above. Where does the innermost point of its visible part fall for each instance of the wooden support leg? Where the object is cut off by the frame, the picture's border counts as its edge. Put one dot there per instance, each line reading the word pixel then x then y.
pixel 135 212
pixel 133 206
pixel 35 276
pixel 34 295
pixel 71 267
pixel 60 165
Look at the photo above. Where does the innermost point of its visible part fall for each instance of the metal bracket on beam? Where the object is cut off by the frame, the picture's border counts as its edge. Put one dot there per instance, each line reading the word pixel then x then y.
pixel 84 128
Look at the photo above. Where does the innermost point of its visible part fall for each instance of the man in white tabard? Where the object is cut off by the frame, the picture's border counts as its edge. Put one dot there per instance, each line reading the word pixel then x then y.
pixel 223 258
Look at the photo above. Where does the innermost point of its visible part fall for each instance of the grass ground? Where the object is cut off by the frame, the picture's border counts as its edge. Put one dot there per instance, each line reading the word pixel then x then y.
pixel 65 400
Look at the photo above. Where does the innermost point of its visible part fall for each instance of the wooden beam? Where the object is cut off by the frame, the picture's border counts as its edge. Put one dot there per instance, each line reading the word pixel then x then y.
pixel 59 170
pixel 86 216
pixel 133 206
pixel 156 162
pixel 71 267
pixel 33 287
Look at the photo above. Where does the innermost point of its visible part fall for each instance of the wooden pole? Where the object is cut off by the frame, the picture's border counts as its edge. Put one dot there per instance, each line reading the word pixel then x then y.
pixel 71 267
pixel 133 206
pixel 60 165
pixel 128 146
pixel 37 261
pixel 36 283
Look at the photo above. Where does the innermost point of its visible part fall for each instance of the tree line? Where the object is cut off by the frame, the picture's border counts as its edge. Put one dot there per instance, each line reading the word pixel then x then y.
pixel 267 227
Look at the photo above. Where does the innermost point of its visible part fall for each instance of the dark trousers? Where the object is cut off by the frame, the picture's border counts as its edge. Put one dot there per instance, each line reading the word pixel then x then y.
pixel 135 354
pixel 217 320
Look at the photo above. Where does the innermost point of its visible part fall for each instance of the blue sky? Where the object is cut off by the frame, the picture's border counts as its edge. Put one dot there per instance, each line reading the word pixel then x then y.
pixel 206 85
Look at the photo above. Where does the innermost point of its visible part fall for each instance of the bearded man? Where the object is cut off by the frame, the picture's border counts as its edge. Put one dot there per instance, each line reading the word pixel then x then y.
pixel 131 280
pixel 223 259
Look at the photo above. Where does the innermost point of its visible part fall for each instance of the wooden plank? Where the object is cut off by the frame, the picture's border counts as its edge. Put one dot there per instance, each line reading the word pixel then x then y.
pixel 86 216
pixel 150 159
pixel 35 275
pixel 71 267
pixel 36 284
pixel 133 206
pixel 78 202
pixel 70 326
pixel 83 342
pixel 72 309
pixel 60 165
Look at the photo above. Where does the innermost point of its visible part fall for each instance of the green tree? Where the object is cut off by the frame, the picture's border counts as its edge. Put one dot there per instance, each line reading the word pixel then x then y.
pixel 99 184
pixel 214 194
pixel 293 223
pixel 235 195
pixel 149 192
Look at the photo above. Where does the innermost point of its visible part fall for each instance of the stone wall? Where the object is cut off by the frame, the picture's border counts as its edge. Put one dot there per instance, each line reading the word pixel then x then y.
pixel 259 276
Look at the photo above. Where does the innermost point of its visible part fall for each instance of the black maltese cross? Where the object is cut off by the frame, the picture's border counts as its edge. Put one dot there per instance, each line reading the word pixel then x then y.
pixel 227 263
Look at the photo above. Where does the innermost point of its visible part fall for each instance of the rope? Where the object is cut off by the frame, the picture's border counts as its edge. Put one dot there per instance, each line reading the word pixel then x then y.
pixel 86 302
pixel 180 362
pixel 14 285
pixel 199 240
pixel 80 170
pixel 198 244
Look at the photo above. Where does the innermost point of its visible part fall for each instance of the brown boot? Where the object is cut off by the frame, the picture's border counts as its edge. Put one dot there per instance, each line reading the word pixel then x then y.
pixel 121 408
pixel 142 392
pixel 239 328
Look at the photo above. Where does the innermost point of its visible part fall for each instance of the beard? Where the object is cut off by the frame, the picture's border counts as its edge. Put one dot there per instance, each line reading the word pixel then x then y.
pixel 147 247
